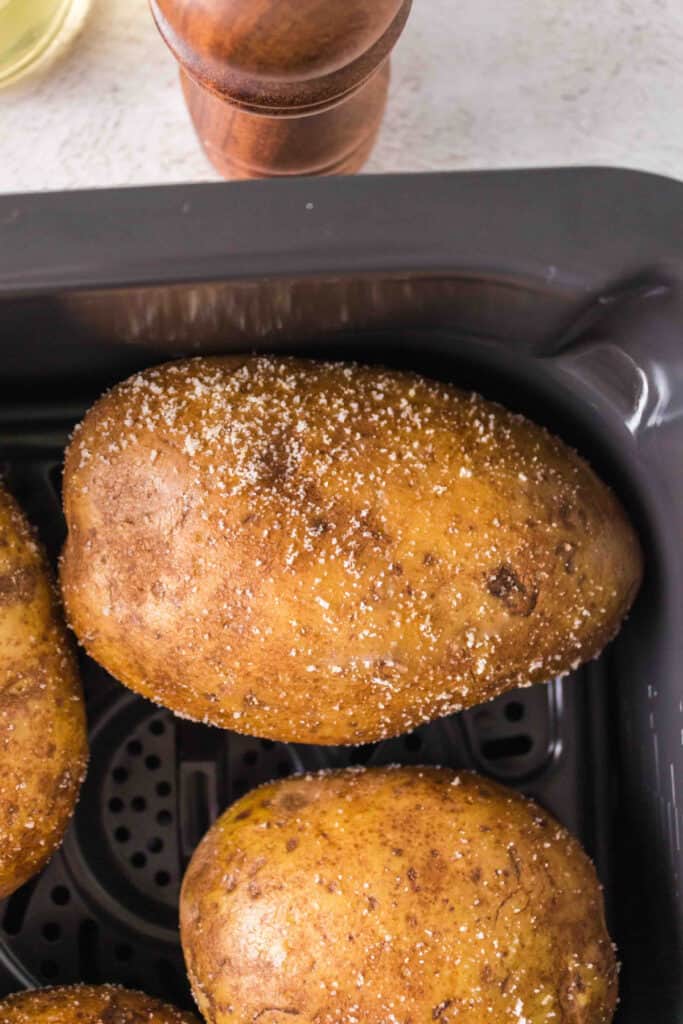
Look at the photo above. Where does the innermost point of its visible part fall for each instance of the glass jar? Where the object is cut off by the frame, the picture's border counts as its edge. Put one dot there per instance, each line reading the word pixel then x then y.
pixel 31 30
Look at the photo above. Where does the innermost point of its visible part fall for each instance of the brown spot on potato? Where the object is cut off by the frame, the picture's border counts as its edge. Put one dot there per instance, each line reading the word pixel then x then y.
pixel 18 587
pixel 505 585
pixel 269 1010
pixel 564 511
pixel 514 860
pixel 276 464
pixel 319 526
pixel 291 845
pixel 438 1011
pixel 293 801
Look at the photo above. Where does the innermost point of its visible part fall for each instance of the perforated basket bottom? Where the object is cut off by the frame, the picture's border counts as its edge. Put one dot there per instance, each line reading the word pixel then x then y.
pixel 105 908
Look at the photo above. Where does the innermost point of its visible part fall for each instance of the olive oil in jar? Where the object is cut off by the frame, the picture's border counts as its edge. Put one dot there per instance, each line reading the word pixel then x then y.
pixel 28 29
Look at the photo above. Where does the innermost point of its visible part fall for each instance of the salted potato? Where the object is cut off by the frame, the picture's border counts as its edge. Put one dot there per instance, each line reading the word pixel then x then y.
pixel 84 1004
pixel 43 745
pixel 332 553
pixel 394 895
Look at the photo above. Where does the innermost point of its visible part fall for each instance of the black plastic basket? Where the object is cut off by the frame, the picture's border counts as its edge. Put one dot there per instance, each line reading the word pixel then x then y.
pixel 557 292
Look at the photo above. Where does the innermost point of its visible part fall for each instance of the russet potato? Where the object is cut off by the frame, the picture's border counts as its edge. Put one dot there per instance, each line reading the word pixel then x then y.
pixel 43 744
pixel 394 896
pixel 88 1004
pixel 332 553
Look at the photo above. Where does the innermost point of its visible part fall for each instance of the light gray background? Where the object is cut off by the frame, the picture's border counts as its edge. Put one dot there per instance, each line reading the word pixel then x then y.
pixel 476 83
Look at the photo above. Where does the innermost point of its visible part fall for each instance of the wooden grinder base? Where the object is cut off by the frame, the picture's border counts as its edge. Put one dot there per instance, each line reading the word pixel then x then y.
pixel 283 87
pixel 242 144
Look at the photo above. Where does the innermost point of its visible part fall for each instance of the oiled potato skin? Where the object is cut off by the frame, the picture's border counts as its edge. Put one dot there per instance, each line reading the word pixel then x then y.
pixel 84 1004
pixel 43 744
pixel 332 553
pixel 403 894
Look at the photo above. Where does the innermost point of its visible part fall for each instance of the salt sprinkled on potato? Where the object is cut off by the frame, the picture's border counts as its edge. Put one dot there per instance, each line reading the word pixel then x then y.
pixel 88 1004
pixel 394 895
pixel 332 553
pixel 43 743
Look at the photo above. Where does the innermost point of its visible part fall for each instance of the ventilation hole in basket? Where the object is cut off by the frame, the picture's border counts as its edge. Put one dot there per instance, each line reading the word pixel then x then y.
pixel 157 727
pixel 162 878
pixel 240 787
pixel 250 757
pixel 134 748
pixel 413 741
pixel 15 911
pixel 122 834
pixel 514 711
pixel 116 805
pixel 120 774
pixel 152 762
pixel 88 949
pixel 155 845
pixel 283 768
pixel 506 746
pixel 163 788
pixel 267 744
pixel 123 952
pixel 164 818
pixel 60 895
pixel 49 969
pixel 139 859
pixel 52 931
pixel 138 803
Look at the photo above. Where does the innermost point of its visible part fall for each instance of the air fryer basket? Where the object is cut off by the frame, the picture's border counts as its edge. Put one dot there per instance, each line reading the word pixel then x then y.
pixel 559 293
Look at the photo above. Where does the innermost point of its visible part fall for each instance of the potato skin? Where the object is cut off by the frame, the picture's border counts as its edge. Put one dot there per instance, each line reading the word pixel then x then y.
pixel 399 894
pixel 332 553
pixel 85 1004
pixel 43 741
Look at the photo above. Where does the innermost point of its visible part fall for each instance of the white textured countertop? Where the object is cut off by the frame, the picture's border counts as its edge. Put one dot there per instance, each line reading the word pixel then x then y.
pixel 476 83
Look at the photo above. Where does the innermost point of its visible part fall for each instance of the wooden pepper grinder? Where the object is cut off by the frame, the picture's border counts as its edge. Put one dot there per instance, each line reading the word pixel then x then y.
pixel 283 87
